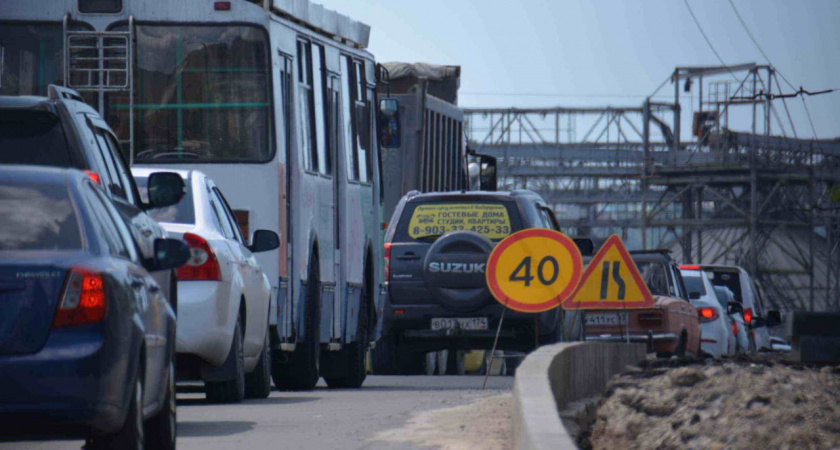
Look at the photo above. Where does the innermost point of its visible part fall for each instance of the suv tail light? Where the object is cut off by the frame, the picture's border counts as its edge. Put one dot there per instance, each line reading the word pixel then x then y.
pixel 706 314
pixel 387 261
pixel 748 316
pixel 735 328
pixel 650 318
pixel 82 299
pixel 202 265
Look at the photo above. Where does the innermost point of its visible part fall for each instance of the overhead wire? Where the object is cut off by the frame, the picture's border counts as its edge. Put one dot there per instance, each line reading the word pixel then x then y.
pixel 706 37
pixel 764 54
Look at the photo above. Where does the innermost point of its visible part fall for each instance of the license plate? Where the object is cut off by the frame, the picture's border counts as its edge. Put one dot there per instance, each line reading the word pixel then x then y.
pixel 606 319
pixel 464 323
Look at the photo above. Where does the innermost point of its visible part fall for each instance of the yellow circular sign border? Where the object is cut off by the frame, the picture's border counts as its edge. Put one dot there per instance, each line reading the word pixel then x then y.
pixel 516 305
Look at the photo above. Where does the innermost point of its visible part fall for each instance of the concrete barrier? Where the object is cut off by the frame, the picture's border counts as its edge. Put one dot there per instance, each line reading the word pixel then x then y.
pixel 556 375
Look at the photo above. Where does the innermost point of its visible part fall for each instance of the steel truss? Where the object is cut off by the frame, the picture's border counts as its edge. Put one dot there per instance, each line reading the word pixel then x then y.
pixel 753 198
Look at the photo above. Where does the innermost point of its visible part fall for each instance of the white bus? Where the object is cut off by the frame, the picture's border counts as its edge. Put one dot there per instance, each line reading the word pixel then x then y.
pixel 271 99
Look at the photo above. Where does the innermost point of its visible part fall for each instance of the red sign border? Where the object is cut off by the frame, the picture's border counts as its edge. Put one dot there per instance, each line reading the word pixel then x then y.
pixel 565 241
pixel 613 240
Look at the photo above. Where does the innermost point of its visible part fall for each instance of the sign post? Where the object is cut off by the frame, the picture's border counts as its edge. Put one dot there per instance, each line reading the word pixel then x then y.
pixel 532 271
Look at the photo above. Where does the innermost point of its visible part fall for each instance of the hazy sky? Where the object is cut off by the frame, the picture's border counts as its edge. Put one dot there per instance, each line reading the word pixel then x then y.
pixel 621 49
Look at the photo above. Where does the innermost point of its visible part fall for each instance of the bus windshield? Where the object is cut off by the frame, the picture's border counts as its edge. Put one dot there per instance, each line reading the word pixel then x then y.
pixel 31 57
pixel 202 94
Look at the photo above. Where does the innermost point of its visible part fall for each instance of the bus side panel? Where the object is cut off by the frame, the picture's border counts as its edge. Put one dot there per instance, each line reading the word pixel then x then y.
pixel 362 230
pixel 356 229
pixel 313 203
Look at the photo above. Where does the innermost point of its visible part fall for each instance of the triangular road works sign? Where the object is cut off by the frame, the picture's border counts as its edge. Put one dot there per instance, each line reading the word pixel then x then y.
pixel 611 281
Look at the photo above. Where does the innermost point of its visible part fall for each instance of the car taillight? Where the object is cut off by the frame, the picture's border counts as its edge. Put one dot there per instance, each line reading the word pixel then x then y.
pixel 748 316
pixel 202 264
pixel 650 318
pixel 706 314
pixel 93 176
pixel 82 299
pixel 735 328
pixel 387 261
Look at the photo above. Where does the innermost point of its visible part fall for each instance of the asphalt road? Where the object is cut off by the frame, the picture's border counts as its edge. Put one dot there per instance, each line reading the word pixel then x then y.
pixel 373 417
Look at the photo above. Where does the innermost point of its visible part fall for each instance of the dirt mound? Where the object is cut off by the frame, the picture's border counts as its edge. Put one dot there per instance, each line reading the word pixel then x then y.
pixel 732 404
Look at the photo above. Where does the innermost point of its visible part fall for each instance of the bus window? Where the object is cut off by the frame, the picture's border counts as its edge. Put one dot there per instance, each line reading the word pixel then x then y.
pixel 350 155
pixel 356 111
pixel 202 93
pixel 308 144
pixel 362 122
pixel 319 100
pixel 31 58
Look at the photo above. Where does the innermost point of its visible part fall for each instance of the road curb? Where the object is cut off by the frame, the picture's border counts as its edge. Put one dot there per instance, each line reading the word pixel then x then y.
pixel 556 375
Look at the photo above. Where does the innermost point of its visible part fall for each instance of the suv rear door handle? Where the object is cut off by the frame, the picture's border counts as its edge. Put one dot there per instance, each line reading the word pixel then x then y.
pixel 408 257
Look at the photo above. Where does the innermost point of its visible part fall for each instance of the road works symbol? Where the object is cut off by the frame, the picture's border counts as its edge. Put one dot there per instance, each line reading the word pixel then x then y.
pixel 611 281
pixel 534 270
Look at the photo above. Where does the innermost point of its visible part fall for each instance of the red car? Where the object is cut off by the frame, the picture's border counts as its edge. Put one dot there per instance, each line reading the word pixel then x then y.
pixel 670 327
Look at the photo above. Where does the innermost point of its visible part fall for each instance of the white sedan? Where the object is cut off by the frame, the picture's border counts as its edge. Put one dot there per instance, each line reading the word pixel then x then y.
pixel 722 333
pixel 223 294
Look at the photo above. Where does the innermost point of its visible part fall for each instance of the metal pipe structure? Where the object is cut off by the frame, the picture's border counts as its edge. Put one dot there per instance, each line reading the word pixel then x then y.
pixel 714 195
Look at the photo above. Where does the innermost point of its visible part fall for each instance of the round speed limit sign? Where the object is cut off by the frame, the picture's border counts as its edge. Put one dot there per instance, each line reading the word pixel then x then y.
pixel 534 270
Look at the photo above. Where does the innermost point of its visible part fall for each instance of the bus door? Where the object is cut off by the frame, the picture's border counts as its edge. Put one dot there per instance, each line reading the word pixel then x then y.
pixel 339 181
pixel 286 290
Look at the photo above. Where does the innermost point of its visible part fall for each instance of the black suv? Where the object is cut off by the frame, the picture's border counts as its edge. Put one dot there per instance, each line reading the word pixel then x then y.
pixel 62 130
pixel 436 251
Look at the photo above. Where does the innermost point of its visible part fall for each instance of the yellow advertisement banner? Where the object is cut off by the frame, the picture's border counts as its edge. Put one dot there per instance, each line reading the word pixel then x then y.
pixel 489 219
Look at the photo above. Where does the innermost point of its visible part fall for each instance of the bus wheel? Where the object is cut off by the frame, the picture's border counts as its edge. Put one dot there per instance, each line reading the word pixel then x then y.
pixel 302 371
pixel 356 351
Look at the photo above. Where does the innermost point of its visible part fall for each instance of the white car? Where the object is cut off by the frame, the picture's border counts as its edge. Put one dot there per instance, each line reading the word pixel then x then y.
pixel 223 294
pixel 720 329
pixel 747 293
pixel 736 320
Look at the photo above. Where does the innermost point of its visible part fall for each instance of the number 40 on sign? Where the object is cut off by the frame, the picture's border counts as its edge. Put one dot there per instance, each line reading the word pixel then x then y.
pixel 534 270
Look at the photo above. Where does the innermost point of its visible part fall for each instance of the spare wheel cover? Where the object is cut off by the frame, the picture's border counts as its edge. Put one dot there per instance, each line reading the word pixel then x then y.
pixel 454 269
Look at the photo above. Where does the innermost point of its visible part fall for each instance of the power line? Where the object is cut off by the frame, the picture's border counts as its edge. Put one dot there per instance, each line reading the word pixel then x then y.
pixel 757 45
pixel 708 41
pixel 764 54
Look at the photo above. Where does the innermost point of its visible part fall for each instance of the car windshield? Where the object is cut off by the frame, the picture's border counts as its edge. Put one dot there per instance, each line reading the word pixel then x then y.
pixel 37 217
pixel 728 279
pixel 32 137
pixel 181 212
pixel 426 221
pixel 723 295
pixel 694 283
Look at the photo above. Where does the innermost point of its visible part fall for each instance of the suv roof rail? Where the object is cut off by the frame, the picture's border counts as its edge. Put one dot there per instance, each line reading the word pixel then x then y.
pixel 523 192
pixel 62 93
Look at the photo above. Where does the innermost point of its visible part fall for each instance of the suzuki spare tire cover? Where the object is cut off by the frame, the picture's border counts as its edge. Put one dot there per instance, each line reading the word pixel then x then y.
pixel 455 268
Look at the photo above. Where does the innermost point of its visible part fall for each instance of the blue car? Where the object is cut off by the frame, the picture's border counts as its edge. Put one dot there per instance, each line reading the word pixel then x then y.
pixel 87 340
